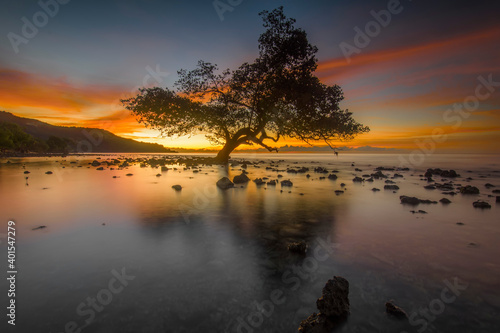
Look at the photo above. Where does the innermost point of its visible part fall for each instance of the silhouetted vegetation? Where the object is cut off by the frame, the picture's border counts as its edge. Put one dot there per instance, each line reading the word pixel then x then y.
pixel 276 96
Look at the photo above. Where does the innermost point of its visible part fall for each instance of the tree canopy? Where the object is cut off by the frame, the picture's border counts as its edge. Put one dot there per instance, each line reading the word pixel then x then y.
pixel 276 96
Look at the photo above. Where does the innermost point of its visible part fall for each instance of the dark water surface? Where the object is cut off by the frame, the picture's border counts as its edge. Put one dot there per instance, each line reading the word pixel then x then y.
pixel 207 260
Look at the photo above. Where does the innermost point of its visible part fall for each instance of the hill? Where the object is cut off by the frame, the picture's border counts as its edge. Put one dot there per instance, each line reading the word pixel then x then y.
pixel 81 139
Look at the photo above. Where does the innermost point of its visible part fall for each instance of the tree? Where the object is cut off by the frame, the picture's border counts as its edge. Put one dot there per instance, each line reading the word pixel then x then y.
pixel 12 136
pixel 276 96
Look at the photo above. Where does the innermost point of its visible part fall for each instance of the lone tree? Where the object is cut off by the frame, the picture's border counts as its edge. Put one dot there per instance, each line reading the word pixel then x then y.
pixel 276 96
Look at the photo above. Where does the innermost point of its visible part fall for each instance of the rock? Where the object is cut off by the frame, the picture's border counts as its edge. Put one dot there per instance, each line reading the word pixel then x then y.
pixel 96 163
pixel 395 310
pixel 391 187
pixel 271 182
pixel 388 181
pixel 430 187
pixel 315 323
pixel 26 172
pixel 339 192
pixel 488 185
pixel 481 204
pixel 158 175
pixel 333 306
pixel 177 187
pixel 40 227
pixel 286 183
pixel 342 184
pixel 409 200
pixel 495 191
pixel 129 174
pixel 357 179
pixel 334 301
pixel 259 181
pixel 49 173
pixel 415 201
pixel 460 223
pixel 469 190
pixel 449 174
pixel 375 189
pixel 498 199
pixel 241 179
pixel 298 247
pixel 100 168
pixel 224 183
pixel 332 176
pixel 445 201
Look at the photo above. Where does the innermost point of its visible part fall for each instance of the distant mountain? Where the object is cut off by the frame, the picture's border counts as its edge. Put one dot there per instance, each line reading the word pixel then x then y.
pixel 82 139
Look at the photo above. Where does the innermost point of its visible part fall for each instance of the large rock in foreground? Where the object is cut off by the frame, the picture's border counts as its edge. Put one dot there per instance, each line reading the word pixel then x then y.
pixel 334 301
pixel 333 306
pixel 224 183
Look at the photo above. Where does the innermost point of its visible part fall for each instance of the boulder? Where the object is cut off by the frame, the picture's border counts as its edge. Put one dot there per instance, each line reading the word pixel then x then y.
pixel 375 189
pixel 271 182
pixel 95 163
pixel 100 168
pixel 469 190
pixel 445 201
pixel 224 183
pixel 333 306
pixel 357 179
pixel 409 200
pixel 258 181
pixel 395 310
pixel 286 183
pixel 415 201
pixel 177 187
pixel 481 204
pixel 332 176
pixel 241 179
pixel 391 187
pixel 49 173
pixel 334 301
pixel 298 247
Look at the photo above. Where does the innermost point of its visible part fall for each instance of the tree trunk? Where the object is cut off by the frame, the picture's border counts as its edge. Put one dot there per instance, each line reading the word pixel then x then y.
pixel 223 155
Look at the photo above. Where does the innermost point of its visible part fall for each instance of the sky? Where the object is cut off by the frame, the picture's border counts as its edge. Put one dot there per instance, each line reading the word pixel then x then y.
pixel 421 74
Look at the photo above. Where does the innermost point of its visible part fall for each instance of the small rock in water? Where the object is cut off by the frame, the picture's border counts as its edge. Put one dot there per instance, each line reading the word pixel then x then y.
pixel 26 172
pixel 298 247
pixel 460 223
pixel 445 201
pixel 481 204
pixel 395 310
pixel 177 187
pixel 391 187
pixel 49 173
pixel 375 189
pixel 129 174
pixel 40 227
pixel 286 183
pixel 158 175
pixel 224 183
pixel 469 190
pixel 240 179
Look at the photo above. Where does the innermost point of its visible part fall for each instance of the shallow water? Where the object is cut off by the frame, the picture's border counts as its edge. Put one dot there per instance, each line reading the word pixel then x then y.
pixel 204 260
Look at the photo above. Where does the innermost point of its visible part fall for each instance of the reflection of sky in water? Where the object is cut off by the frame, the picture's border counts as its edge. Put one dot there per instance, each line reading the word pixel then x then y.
pixel 203 256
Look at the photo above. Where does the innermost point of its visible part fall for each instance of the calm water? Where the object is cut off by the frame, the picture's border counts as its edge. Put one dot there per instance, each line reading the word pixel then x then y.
pixel 203 259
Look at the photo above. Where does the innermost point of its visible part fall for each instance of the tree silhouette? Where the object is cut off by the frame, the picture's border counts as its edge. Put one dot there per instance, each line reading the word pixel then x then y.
pixel 276 96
